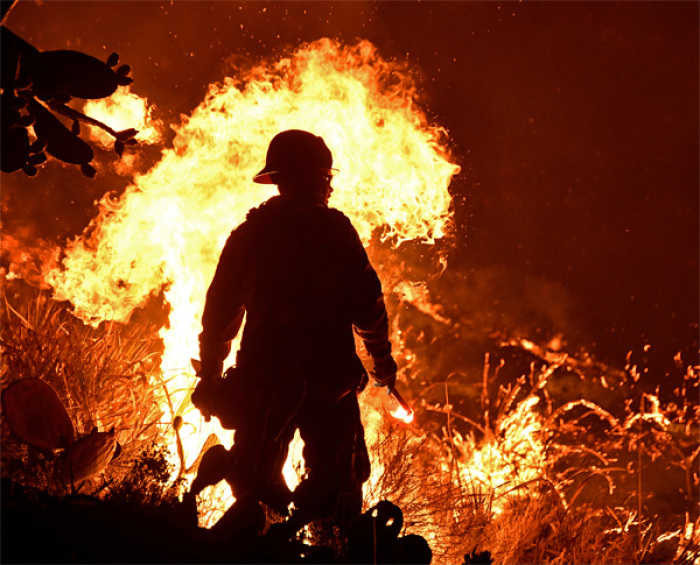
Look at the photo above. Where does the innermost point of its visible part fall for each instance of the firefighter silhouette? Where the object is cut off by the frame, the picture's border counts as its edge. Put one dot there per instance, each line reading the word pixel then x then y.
pixel 299 273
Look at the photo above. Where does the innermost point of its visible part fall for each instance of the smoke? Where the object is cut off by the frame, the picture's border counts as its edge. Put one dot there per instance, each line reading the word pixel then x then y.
pixel 496 299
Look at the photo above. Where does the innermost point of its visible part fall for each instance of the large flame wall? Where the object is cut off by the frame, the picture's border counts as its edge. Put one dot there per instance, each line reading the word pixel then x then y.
pixel 167 229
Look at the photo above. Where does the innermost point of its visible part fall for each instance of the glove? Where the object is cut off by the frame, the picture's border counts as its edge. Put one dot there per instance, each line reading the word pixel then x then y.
pixel 205 395
pixel 384 372
pixel 207 371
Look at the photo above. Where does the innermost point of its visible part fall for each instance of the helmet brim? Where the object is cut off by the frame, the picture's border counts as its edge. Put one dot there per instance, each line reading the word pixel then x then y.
pixel 265 175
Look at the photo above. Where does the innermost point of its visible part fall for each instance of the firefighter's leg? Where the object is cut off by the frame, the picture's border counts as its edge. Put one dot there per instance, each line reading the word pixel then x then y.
pixel 259 453
pixel 261 407
pixel 254 455
pixel 336 458
pixel 272 488
pixel 213 468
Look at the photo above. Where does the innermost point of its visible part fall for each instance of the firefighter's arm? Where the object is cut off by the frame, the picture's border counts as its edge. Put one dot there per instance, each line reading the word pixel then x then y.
pixel 221 320
pixel 223 309
pixel 376 340
pixel 369 315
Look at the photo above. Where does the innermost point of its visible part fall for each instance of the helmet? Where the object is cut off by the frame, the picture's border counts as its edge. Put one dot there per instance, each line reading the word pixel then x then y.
pixel 295 150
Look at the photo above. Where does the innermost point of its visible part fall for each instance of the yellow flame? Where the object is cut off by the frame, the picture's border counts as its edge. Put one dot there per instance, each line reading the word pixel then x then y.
pixel 212 503
pixel 513 455
pixel 166 231
pixel 123 110
pixel 294 468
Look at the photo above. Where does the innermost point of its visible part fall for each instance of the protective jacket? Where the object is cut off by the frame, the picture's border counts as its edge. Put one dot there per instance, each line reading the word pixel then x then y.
pixel 300 275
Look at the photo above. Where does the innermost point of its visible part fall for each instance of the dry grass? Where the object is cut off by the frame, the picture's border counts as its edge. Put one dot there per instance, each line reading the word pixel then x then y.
pixel 599 493
pixel 596 492
pixel 104 377
pixel 417 476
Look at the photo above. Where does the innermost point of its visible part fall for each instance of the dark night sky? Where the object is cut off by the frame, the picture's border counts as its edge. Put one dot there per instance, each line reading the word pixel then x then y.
pixel 576 124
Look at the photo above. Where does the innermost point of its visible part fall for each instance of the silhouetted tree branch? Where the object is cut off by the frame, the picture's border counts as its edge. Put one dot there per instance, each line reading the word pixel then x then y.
pixel 37 83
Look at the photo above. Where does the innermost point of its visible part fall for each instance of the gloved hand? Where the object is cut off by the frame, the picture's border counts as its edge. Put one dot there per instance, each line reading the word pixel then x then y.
pixel 384 372
pixel 205 396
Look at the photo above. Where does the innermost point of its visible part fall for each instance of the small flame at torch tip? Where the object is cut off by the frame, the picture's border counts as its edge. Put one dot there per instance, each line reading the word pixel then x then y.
pixel 402 414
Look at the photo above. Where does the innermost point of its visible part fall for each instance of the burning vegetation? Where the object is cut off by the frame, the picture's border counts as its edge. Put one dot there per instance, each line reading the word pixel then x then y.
pixel 519 452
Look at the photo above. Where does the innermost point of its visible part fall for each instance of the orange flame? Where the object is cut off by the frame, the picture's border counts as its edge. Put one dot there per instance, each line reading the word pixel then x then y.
pixel 168 228
pixel 513 455
pixel 402 411
pixel 402 414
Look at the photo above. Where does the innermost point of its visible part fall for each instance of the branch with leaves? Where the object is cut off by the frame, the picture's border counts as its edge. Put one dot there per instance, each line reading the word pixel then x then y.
pixel 35 85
